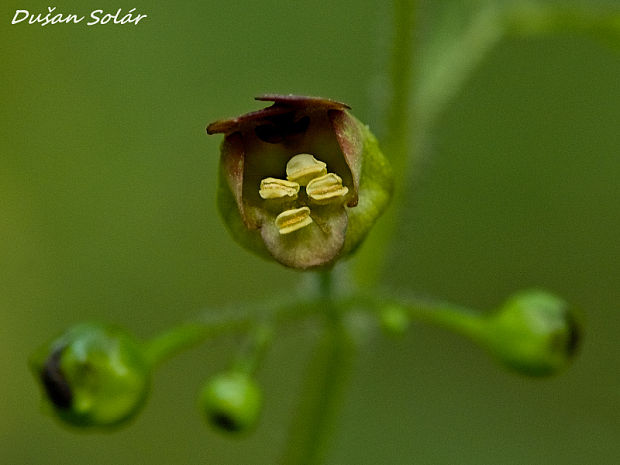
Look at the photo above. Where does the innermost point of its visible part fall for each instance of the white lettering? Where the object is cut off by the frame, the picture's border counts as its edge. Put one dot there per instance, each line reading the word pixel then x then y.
pixel 93 14
pixel 139 17
pixel 57 19
pixel 73 18
pixel 127 17
pixel 96 17
pixel 46 19
pixel 17 13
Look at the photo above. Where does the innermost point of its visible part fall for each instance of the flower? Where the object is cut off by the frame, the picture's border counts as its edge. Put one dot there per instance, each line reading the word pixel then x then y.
pixel 301 181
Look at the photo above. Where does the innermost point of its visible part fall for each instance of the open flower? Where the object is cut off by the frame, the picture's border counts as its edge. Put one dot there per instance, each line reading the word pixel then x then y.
pixel 301 181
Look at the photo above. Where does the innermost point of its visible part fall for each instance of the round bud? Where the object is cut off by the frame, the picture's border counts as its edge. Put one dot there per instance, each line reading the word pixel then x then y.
pixel 394 320
pixel 231 402
pixel 94 375
pixel 534 333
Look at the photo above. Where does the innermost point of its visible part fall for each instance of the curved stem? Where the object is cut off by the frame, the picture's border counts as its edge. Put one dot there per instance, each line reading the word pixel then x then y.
pixel 219 322
pixel 176 340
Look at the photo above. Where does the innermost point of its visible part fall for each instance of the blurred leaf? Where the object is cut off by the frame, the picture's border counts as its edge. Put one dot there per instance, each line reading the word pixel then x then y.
pixel 538 18
pixel 457 40
pixel 460 34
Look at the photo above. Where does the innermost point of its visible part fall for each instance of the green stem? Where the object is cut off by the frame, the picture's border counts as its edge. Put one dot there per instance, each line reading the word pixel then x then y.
pixel 323 386
pixel 401 77
pixel 217 323
pixel 456 318
pixel 326 285
pixel 397 143
pixel 253 354
pixel 464 321
pixel 176 340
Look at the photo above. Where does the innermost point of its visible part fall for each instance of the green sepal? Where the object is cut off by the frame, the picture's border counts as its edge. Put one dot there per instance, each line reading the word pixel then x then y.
pixel 375 191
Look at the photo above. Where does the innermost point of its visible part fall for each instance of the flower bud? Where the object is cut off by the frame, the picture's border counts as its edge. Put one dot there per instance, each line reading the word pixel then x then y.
pixel 301 181
pixel 394 320
pixel 94 375
pixel 231 402
pixel 534 333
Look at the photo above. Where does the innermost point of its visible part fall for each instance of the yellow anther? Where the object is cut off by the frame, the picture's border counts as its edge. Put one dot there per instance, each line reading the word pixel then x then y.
pixel 292 220
pixel 326 189
pixel 274 188
pixel 304 167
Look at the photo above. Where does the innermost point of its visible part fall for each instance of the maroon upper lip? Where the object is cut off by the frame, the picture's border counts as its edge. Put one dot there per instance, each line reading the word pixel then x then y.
pixel 281 104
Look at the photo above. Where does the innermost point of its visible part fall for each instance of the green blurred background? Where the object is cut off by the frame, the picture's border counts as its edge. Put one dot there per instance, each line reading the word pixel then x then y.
pixel 107 184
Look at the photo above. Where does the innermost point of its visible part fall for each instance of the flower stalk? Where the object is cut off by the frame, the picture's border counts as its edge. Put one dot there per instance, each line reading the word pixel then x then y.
pixel 323 386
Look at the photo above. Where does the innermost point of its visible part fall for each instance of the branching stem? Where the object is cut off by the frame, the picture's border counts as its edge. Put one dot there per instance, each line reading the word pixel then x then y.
pixel 459 319
pixel 217 322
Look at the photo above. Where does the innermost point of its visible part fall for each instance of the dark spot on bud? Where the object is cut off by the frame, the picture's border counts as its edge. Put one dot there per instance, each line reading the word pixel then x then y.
pixel 55 384
pixel 574 335
pixel 280 127
pixel 566 341
pixel 225 422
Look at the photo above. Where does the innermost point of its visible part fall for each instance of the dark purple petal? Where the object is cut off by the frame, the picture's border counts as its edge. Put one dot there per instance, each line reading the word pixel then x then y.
pixel 282 104
pixel 303 101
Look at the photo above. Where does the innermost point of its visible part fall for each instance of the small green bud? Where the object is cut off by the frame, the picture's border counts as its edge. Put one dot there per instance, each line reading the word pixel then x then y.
pixel 231 402
pixel 394 320
pixel 302 181
pixel 534 333
pixel 94 375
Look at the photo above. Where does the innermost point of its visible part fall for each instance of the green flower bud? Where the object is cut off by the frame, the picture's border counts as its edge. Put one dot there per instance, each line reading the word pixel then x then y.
pixel 394 320
pixel 231 402
pixel 94 375
pixel 534 333
pixel 301 181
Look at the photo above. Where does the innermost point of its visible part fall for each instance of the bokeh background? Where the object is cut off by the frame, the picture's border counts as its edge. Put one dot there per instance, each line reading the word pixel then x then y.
pixel 107 183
